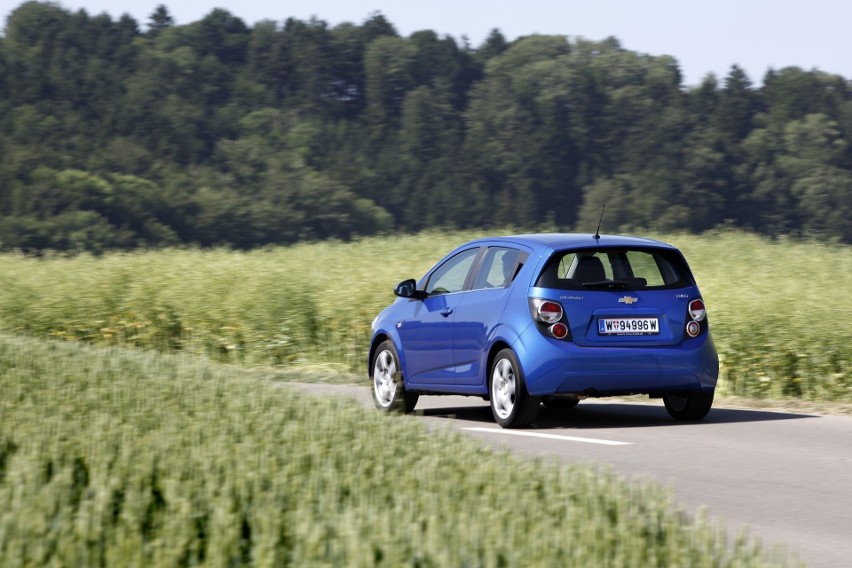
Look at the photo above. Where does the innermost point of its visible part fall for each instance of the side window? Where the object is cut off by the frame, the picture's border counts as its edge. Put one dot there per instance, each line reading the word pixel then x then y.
pixel 450 276
pixel 498 268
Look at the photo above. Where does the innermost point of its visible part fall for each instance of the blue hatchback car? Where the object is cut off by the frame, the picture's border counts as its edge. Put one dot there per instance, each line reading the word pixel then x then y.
pixel 548 319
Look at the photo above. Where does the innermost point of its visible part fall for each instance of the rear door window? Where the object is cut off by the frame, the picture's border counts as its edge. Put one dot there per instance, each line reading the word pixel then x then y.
pixel 498 269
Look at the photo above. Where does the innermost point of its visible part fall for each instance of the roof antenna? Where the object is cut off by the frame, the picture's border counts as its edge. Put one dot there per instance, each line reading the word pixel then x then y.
pixel 597 236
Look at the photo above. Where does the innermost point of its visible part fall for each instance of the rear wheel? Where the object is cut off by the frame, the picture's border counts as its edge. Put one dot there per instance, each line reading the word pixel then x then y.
pixel 388 387
pixel 688 405
pixel 511 404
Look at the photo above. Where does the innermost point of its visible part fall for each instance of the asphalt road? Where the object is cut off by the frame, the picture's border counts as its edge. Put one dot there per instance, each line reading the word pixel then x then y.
pixel 786 477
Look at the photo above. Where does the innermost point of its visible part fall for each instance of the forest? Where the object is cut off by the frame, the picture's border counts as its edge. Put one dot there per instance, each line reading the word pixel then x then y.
pixel 118 134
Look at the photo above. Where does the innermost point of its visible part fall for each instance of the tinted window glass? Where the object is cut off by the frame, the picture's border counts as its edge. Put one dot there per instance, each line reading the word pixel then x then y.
pixel 450 276
pixel 498 269
pixel 632 269
pixel 645 266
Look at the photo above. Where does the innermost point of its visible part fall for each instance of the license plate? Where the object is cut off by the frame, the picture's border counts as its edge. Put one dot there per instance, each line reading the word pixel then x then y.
pixel 628 326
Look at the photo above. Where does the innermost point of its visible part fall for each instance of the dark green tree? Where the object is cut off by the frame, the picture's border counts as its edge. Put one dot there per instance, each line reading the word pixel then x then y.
pixel 159 20
pixel 219 133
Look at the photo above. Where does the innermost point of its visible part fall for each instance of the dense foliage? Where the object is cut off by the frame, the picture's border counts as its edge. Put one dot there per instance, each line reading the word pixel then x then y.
pixel 308 307
pixel 218 132
pixel 117 458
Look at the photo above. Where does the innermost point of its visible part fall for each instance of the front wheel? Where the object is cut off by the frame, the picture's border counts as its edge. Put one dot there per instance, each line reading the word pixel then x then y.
pixel 511 404
pixel 388 387
pixel 688 405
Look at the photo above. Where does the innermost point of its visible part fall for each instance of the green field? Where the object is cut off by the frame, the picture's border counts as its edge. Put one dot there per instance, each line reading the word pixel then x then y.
pixel 192 451
pixel 779 310
pixel 119 457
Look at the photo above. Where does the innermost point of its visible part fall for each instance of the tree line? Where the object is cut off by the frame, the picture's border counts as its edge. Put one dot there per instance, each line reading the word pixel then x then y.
pixel 219 133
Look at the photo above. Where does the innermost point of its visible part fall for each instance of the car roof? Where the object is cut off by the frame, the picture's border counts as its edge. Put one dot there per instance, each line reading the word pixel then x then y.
pixel 558 241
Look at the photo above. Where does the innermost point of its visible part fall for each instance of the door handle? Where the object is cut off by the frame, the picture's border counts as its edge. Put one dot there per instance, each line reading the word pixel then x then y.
pixel 446 311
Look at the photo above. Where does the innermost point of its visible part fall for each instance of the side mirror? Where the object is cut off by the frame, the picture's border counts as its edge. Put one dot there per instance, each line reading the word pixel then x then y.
pixel 408 289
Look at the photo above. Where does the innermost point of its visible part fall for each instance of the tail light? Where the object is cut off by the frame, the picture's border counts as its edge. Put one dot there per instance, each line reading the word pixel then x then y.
pixel 548 312
pixel 697 311
pixel 550 318
pixel 559 330
pixel 693 328
pixel 697 320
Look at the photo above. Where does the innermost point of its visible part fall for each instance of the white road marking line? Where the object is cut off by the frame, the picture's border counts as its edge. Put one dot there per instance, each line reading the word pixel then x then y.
pixel 551 436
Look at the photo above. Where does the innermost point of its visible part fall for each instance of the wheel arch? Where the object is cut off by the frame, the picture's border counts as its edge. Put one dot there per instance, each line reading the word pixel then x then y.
pixel 377 340
pixel 496 348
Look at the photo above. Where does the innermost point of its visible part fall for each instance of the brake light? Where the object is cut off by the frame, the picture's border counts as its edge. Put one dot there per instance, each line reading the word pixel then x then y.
pixel 550 318
pixel 697 311
pixel 697 321
pixel 549 312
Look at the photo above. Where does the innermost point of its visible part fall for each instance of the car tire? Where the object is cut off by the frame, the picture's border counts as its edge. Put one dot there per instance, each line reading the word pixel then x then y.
pixel 389 392
pixel 688 405
pixel 511 404
pixel 560 403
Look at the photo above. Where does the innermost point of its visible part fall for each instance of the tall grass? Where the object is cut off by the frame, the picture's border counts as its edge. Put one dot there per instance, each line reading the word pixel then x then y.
pixel 113 457
pixel 310 303
pixel 779 311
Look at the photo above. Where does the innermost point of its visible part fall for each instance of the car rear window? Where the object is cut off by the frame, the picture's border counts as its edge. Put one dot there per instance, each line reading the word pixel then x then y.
pixel 630 269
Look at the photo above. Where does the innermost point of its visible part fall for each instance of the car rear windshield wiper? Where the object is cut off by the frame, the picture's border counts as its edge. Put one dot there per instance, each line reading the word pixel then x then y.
pixel 606 284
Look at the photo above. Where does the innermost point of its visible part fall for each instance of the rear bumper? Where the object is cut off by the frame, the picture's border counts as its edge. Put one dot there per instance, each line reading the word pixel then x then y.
pixel 558 367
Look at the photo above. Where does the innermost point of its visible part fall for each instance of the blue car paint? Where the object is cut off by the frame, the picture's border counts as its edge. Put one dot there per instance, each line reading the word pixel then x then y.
pixel 558 367
pixel 445 341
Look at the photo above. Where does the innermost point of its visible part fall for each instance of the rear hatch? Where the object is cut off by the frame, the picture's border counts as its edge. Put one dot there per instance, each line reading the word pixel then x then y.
pixel 620 297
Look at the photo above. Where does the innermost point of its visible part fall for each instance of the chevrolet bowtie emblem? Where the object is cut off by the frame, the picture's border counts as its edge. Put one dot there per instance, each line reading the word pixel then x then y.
pixel 628 300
